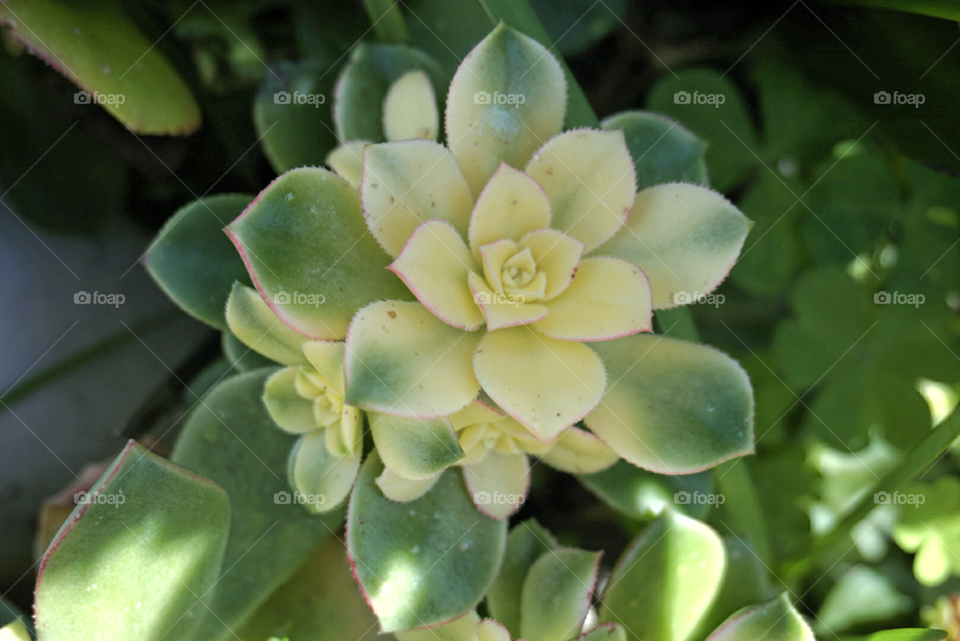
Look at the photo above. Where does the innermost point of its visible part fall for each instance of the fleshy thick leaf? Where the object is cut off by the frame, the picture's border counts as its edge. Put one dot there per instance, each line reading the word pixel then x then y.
pixel 403 360
pixel 605 632
pixel 416 449
pixel 684 237
pixel 137 559
pixel 663 150
pixel 675 407
pixel 424 562
pixel 506 100
pixel 101 50
pixel 194 262
pixel 232 440
pixel 255 325
pixel 323 476
pixel 310 255
pixel 526 543
pixel 773 621
pixel 556 594
pixel 241 357
pixel 498 483
pixel 666 581
pixel 365 81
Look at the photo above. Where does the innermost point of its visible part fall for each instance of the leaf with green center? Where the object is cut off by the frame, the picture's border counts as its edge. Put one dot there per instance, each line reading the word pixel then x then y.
pixel 101 50
pixel 666 581
pixel 506 99
pixel 556 594
pixel 662 149
pixel 685 238
pixel 321 602
pixel 194 262
pixel 424 562
pixel 241 357
pixel 255 325
pixel 310 255
pixel 138 558
pixel 605 632
pixel 527 542
pixel 403 360
pixel 231 439
pixel 726 127
pixel 589 178
pixel 365 81
pixel 416 449
pixel 642 495
pixel 291 112
pixel 675 407
pixel 773 621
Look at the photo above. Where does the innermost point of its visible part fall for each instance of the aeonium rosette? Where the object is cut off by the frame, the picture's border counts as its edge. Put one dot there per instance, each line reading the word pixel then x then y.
pixel 497 291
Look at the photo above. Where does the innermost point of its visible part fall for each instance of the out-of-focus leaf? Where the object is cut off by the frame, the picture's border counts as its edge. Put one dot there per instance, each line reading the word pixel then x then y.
pixel 744 583
pixel 100 49
pixel 231 439
pixel 526 543
pixel 575 25
pixel 862 598
pixel 643 495
pixel 242 357
pixel 447 40
pixel 777 620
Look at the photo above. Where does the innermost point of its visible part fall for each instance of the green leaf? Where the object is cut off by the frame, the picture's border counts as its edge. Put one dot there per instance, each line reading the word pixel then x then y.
pixel 100 50
pixel 416 449
pixel 364 83
pixel 575 25
pixel 424 562
pixel 310 254
pixel 643 495
pixel 139 558
pixel 687 407
pixel 863 598
pixel 726 128
pixel 232 440
pixel 243 358
pixel 744 583
pixel 447 41
pixel 773 621
pixel 605 632
pixel 194 262
pixel 662 149
pixel 257 328
pixel 526 543
pixel 387 20
pixel 666 581
pixel 908 634
pixel 556 594
pixel 947 9
pixel 321 602
pixel 292 111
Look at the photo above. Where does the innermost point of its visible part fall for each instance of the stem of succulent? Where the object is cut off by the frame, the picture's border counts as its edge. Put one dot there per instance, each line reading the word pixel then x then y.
pixel 387 21
pixel 926 452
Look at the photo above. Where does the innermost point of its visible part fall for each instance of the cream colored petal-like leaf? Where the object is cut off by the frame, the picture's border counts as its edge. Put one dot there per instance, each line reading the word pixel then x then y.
pixel 490 630
pixel 402 490
pixel 410 109
pixel 511 205
pixel 462 628
pixel 590 180
pixel 684 237
pixel 557 255
pixel 403 360
pixel 327 358
pixel 609 298
pixel 579 452
pixel 323 478
pixel 501 310
pixel 405 184
pixel 498 483
pixel 473 414
pixel 435 264
pixel 508 97
pixel 544 383
pixel 253 322
pixel 347 161
pixel 288 409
